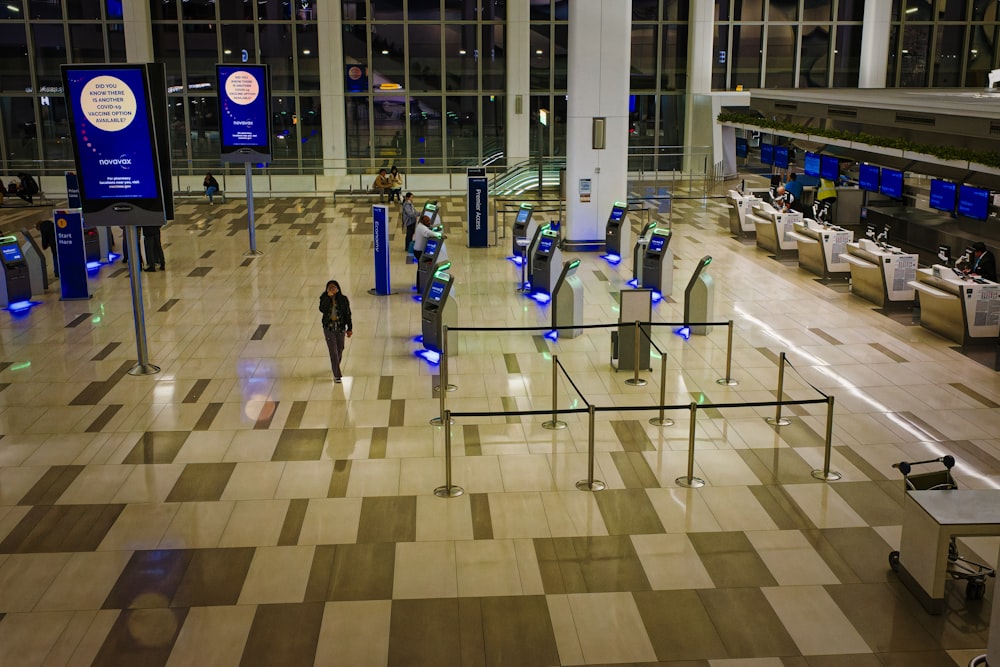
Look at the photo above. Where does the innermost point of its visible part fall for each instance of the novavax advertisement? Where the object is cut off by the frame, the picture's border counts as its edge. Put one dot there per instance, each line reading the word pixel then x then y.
pixel 244 111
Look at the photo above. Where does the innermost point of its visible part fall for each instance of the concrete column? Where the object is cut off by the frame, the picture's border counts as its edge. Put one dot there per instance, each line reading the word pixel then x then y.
pixel 875 43
pixel 600 33
pixel 518 82
pixel 333 122
pixel 699 123
pixel 138 31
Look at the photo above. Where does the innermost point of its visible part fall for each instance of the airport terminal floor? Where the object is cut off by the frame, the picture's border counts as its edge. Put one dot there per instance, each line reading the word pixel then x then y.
pixel 239 508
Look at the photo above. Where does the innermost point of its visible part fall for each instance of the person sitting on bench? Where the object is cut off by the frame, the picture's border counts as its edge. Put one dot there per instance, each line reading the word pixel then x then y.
pixel 27 187
pixel 382 184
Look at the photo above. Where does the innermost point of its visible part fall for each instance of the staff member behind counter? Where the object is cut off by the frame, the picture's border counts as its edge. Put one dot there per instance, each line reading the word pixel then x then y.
pixel 982 263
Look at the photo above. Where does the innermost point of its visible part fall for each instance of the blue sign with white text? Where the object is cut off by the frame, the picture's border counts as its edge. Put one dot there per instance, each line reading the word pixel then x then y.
pixel 380 217
pixel 244 112
pixel 478 212
pixel 73 190
pixel 72 254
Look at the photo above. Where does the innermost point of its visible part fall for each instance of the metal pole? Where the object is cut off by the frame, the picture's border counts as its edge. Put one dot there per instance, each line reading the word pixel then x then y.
pixel 448 490
pixel 250 217
pixel 691 481
pixel 554 424
pixel 662 420
pixel 826 473
pixel 635 380
pixel 590 484
pixel 728 380
pixel 143 367
pixel 443 376
pixel 778 419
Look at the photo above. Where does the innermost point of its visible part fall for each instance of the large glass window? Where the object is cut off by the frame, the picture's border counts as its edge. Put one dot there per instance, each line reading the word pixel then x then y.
pixel 914 61
pixel 781 49
pixel 847 57
pixel 948 57
pixel 13 57
pixel 87 42
pixel 644 56
pixel 746 55
pixel 814 62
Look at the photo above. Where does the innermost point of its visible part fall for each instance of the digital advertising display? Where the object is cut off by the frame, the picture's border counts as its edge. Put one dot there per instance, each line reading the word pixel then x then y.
pixel 943 195
pixel 891 183
pixel 811 164
pixel 868 177
pixel 781 157
pixel 766 154
pixel 114 144
pixel 11 253
pixel 544 245
pixel 829 168
pixel 435 292
pixel 656 244
pixel 973 202
pixel 742 147
pixel 244 112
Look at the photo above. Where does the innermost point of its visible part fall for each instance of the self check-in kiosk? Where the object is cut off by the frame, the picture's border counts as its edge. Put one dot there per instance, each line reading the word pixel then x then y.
pixel 639 252
pixel 616 232
pixel 546 259
pixel 567 301
pixel 91 244
pixel 699 298
pixel 658 262
pixel 431 211
pixel 523 231
pixel 37 266
pixel 434 253
pixel 15 283
pixel 437 310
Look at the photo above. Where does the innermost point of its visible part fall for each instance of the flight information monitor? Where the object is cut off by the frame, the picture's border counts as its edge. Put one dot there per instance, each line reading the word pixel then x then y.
pixel 781 157
pixel 742 147
pixel 811 165
pixel 973 202
pixel 891 183
pixel 868 177
pixel 829 168
pixel 943 195
pixel 435 292
pixel 766 154
pixel 656 243
pixel 11 253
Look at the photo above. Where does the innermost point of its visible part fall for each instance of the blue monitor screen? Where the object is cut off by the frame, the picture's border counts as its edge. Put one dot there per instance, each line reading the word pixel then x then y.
pixel 891 184
pixel 973 202
pixel 431 247
pixel 435 291
pixel 522 215
pixel 244 103
pixel 811 166
pixel 868 177
pixel 781 157
pixel 11 253
pixel 829 167
pixel 766 154
pixel 616 213
pixel 656 243
pixel 545 245
pixel 943 195
pixel 742 147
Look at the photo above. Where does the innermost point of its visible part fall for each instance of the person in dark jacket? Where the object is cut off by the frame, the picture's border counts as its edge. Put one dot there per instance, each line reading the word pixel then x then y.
pixel 982 263
pixel 336 309
pixel 47 229
pixel 154 248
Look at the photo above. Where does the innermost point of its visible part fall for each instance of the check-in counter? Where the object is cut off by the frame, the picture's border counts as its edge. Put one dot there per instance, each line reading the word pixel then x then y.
pixel 881 275
pixel 820 247
pixel 956 307
pixel 774 229
pixel 740 206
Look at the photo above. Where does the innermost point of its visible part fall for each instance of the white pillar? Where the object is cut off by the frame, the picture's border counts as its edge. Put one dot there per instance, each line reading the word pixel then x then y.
pixel 333 122
pixel 875 43
pixel 600 32
pixel 518 82
pixel 699 123
pixel 138 31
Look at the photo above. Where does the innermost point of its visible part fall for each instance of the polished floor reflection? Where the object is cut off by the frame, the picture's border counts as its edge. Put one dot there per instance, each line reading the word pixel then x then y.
pixel 240 508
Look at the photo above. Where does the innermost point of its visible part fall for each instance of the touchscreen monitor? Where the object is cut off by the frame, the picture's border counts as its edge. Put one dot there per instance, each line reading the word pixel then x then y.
pixel 431 247
pixel 522 215
pixel 616 213
pixel 545 245
pixel 11 253
pixel 656 243
pixel 435 291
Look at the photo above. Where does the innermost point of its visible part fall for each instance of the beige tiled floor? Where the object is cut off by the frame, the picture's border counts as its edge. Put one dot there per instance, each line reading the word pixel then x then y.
pixel 339 553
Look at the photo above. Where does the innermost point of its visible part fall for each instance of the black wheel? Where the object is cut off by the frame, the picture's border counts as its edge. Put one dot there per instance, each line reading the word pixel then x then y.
pixel 894 562
pixel 975 590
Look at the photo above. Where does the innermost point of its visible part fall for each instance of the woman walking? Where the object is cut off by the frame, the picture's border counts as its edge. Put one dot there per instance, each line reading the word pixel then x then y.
pixel 336 309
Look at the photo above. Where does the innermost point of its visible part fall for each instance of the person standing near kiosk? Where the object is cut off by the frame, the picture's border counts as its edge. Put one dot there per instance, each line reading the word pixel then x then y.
pixel 409 221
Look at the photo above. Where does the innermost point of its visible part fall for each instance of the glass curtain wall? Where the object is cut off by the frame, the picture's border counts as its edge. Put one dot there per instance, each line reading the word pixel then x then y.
pixel 424 83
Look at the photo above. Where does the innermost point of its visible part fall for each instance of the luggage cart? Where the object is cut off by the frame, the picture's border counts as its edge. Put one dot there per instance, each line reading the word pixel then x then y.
pixel 974 574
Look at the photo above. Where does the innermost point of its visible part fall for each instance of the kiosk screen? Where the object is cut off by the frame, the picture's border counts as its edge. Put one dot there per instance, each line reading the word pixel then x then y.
pixel 742 147
pixel 617 213
pixel 431 247
pixel 11 253
pixel 656 244
pixel 829 168
pixel 766 154
pixel 435 292
pixel 781 157
pixel 811 166
pixel 891 184
pixel 522 215
pixel 943 195
pixel 868 177
pixel 544 245
pixel 973 202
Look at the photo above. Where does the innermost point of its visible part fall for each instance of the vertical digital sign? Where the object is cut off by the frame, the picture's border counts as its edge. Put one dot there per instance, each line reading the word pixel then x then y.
pixel 114 144
pixel 244 112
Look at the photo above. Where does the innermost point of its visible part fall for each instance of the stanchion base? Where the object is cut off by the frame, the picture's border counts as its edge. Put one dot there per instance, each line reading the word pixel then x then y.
pixel 253 253
pixel 554 425
pixel 777 422
pixel 596 485
pixel 451 387
pixel 449 491
pixel 148 369
pixel 436 421
pixel 831 477
pixel 375 292
pixel 666 421
pixel 729 382
pixel 690 482
pixel 636 382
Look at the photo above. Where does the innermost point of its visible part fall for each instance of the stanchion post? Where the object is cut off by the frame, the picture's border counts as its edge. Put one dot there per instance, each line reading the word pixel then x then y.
pixel 142 367
pixel 555 424
pixel 635 380
pixel 251 223
pixel 442 377
pixel 728 380
pixel 826 473
pixel 662 420
pixel 449 490
pixel 590 484
pixel 778 419
pixel 690 481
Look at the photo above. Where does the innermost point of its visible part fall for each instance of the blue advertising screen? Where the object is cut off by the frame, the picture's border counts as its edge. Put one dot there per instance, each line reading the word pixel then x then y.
pixel 435 291
pixel 656 243
pixel 781 157
pixel 811 166
pixel 943 195
pixel 616 213
pixel 11 253
pixel 545 245
pixel 868 177
pixel 431 247
pixel 244 113
pixel 522 215
pixel 891 184
pixel 742 147
pixel 116 152
pixel 766 154
pixel 829 167
pixel 973 202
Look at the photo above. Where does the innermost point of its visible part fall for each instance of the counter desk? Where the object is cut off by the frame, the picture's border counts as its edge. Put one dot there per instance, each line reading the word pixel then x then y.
pixel 881 275
pixel 820 248
pixel 956 307
pixel 774 229
pixel 740 206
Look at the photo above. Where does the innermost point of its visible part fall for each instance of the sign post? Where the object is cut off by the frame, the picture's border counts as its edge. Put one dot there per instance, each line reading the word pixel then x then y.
pixel 478 195
pixel 245 125
pixel 380 218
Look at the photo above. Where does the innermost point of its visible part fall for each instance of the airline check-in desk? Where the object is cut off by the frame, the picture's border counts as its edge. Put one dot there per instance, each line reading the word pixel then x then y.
pixel 821 247
pixel 774 229
pixel 959 308
pixel 881 275
pixel 740 206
